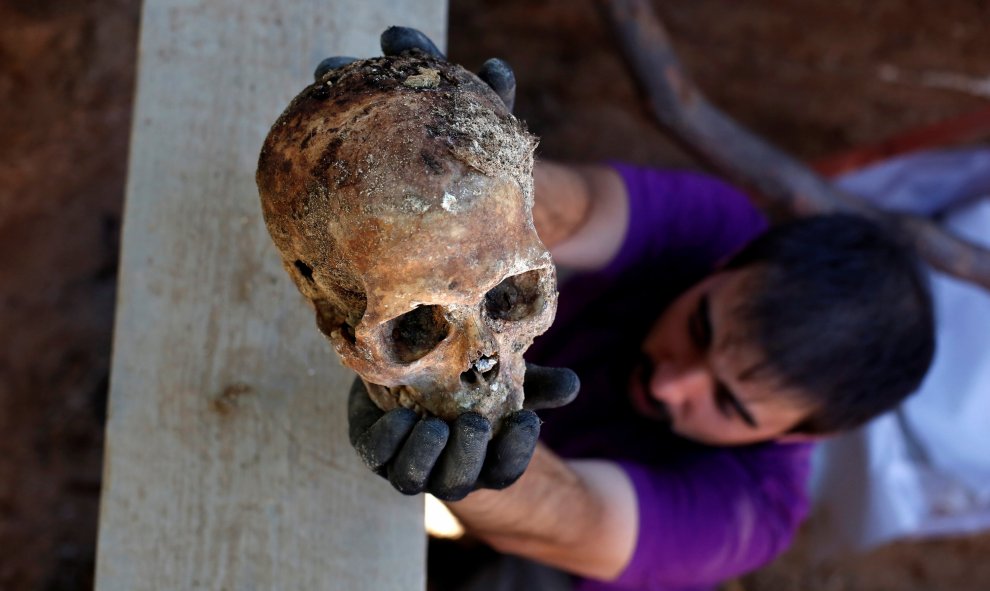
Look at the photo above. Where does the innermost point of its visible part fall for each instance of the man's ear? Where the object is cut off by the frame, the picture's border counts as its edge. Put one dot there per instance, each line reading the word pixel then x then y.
pixel 800 438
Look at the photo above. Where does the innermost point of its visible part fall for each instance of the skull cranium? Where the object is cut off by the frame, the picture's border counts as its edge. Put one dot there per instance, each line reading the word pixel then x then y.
pixel 399 193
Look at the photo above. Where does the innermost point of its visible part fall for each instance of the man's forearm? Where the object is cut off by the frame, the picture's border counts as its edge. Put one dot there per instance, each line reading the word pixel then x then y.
pixel 516 514
pixel 559 514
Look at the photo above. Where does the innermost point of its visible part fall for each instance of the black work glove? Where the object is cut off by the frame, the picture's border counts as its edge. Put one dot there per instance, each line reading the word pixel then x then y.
pixel 451 460
pixel 495 73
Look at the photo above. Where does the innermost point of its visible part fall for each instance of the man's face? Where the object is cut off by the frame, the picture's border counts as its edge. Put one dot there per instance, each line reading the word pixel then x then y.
pixel 698 371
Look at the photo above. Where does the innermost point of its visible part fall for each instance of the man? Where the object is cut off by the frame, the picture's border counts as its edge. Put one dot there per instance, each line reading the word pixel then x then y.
pixel 710 352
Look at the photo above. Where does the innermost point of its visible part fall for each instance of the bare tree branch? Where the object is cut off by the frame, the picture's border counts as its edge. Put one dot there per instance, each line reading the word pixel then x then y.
pixel 784 187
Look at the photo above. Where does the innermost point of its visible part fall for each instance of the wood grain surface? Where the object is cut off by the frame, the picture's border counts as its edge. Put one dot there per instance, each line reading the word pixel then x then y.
pixel 227 462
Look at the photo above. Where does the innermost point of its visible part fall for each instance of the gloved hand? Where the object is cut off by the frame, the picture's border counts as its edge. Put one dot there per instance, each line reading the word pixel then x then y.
pixel 495 73
pixel 449 461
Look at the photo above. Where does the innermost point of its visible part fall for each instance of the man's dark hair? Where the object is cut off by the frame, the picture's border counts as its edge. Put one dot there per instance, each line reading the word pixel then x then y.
pixel 842 312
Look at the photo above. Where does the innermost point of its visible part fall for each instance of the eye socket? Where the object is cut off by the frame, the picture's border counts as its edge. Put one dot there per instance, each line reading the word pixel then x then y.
pixel 417 332
pixel 515 298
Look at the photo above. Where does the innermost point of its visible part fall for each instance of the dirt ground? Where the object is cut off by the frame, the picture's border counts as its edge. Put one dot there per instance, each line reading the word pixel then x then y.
pixel 815 76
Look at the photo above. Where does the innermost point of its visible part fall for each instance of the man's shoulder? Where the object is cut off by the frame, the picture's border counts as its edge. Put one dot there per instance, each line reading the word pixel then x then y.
pixel 708 505
pixel 682 218
pixel 780 470
pixel 771 457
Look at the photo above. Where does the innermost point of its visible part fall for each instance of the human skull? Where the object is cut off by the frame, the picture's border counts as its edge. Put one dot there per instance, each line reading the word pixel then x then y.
pixel 399 193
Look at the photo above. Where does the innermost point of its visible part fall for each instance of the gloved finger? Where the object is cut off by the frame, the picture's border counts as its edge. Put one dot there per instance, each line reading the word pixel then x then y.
pixel 362 412
pixel 459 466
pixel 498 74
pixel 395 40
pixel 411 469
pixel 549 387
pixel 511 450
pixel 380 442
pixel 331 63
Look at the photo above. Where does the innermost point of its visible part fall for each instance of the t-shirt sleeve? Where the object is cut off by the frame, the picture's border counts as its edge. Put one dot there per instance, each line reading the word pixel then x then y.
pixel 725 515
pixel 687 217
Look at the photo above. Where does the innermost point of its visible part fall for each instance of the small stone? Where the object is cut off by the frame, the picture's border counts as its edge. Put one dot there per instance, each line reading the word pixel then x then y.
pixel 485 364
pixel 449 201
pixel 427 78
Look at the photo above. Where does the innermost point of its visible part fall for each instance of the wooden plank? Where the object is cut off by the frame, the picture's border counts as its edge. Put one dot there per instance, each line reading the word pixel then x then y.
pixel 227 464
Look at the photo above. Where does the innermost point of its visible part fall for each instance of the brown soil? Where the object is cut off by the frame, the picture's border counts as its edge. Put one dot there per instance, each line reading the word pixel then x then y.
pixel 815 76
pixel 66 71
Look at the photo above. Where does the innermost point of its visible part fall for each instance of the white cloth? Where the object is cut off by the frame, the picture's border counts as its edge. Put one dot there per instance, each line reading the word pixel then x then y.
pixel 923 469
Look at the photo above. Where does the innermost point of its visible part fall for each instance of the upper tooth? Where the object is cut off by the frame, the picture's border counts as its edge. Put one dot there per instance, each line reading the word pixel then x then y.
pixel 405 396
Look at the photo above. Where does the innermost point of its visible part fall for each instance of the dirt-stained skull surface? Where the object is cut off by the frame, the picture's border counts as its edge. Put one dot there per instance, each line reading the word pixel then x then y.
pixel 399 193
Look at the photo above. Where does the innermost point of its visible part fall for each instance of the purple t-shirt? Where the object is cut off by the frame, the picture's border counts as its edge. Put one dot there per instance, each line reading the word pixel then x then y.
pixel 705 513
